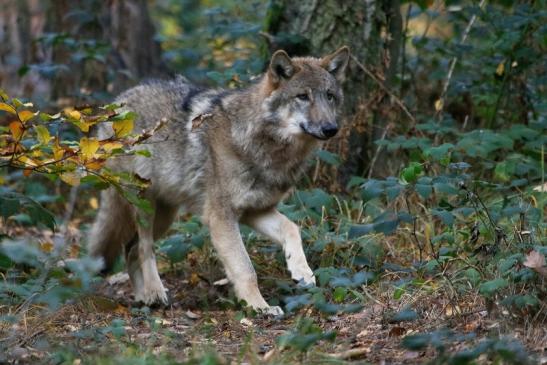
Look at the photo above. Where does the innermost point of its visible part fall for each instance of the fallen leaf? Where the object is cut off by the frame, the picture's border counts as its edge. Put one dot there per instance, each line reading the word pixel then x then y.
pixel 536 261
pixel 397 331
pixel 192 315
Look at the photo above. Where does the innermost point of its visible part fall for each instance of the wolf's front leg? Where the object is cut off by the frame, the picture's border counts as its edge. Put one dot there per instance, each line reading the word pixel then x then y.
pixel 227 241
pixel 141 266
pixel 281 230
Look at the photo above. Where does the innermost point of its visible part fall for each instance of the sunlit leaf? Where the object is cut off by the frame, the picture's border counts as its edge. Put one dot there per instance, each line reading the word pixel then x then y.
pixel 71 178
pixel 7 108
pixel 122 128
pixel 110 146
pixel 88 147
pixel 25 115
pixel 43 134
pixel 16 129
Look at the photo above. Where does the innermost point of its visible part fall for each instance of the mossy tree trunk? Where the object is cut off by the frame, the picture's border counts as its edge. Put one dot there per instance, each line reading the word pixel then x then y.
pixel 371 28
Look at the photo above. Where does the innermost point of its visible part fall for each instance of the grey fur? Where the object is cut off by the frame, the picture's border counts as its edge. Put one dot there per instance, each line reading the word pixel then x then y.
pixel 235 166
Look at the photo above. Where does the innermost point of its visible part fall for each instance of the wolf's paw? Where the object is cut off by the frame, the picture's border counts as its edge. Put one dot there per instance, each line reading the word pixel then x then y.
pixel 273 311
pixel 152 295
pixel 303 276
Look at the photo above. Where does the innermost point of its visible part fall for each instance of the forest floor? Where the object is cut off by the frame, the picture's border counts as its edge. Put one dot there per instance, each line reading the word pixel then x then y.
pixel 201 323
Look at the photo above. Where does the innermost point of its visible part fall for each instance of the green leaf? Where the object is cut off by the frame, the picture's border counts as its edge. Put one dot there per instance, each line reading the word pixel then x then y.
pixel 329 157
pixel 491 287
pixel 411 173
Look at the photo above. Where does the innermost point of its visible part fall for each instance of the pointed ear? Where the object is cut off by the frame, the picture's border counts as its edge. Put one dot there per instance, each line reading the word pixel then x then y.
pixel 281 66
pixel 336 63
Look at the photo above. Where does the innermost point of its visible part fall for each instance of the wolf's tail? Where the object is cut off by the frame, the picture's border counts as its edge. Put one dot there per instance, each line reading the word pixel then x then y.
pixel 114 227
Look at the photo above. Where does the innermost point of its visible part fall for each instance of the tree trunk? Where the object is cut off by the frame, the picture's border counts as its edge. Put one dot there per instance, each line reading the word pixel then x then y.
pixel 75 51
pixel 320 27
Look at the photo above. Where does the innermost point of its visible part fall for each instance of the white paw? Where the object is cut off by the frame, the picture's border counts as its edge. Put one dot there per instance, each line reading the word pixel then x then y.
pixel 273 311
pixel 302 274
pixel 152 294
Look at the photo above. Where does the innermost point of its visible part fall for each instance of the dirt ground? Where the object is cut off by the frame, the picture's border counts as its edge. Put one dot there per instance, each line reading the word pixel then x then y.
pixel 197 322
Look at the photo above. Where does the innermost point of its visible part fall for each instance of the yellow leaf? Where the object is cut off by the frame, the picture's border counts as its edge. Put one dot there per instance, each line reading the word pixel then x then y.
pixel 17 130
pixel 439 104
pixel 110 146
pixel 72 114
pixel 71 178
pixel 58 151
pixel 88 147
pixel 122 128
pixel 501 68
pixel 42 134
pixel 95 164
pixel 94 203
pixel 27 161
pixel 25 115
pixel 7 108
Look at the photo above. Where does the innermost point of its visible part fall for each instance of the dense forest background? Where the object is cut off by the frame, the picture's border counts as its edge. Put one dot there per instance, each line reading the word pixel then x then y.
pixel 424 219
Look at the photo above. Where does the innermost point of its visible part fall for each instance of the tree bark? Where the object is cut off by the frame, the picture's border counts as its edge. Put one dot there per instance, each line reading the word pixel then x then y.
pixel 75 51
pixel 319 27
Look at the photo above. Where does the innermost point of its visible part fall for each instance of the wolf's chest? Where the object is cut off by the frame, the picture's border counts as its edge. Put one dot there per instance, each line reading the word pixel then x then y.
pixel 258 191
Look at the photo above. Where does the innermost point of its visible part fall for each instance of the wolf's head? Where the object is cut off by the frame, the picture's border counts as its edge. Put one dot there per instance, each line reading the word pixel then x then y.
pixel 305 93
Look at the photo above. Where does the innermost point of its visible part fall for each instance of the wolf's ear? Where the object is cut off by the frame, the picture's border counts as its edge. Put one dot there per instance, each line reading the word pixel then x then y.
pixel 281 66
pixel 336 63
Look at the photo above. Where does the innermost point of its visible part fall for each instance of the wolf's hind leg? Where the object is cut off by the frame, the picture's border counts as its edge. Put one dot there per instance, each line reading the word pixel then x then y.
pixel 113 228
pixel 281 230
pixel 239 269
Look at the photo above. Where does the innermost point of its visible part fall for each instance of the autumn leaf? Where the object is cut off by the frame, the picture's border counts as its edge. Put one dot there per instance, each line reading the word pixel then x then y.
pixel 42 134
pixel 72 114
pixel 123 128
pixel 123 124
pixel 88 147
pixel 501 68
pixel 95 164
pixel 25 115
pixel 536 261
pixel 17 130
pixel 58 151
pixel 71 178
pixel 7 108
pixel 108 147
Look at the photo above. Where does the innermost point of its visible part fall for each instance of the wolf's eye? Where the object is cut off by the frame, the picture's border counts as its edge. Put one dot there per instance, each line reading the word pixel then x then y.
pixel 303 97
pixel 330 96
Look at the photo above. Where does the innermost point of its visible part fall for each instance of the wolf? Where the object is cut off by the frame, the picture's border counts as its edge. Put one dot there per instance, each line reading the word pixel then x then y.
pixel 228 156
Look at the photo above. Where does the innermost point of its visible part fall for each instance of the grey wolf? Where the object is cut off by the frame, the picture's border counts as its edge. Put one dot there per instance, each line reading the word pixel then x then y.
pixel 232 167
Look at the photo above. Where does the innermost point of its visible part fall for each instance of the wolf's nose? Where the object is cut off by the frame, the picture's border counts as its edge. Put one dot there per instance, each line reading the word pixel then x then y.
pixel 329 130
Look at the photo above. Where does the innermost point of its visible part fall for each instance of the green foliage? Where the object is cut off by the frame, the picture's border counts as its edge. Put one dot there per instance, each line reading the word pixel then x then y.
pixel 215 43
pixel 305 334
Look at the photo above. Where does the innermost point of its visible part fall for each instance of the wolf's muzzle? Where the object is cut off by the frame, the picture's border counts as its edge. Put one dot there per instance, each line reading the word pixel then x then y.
pixel 320 131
